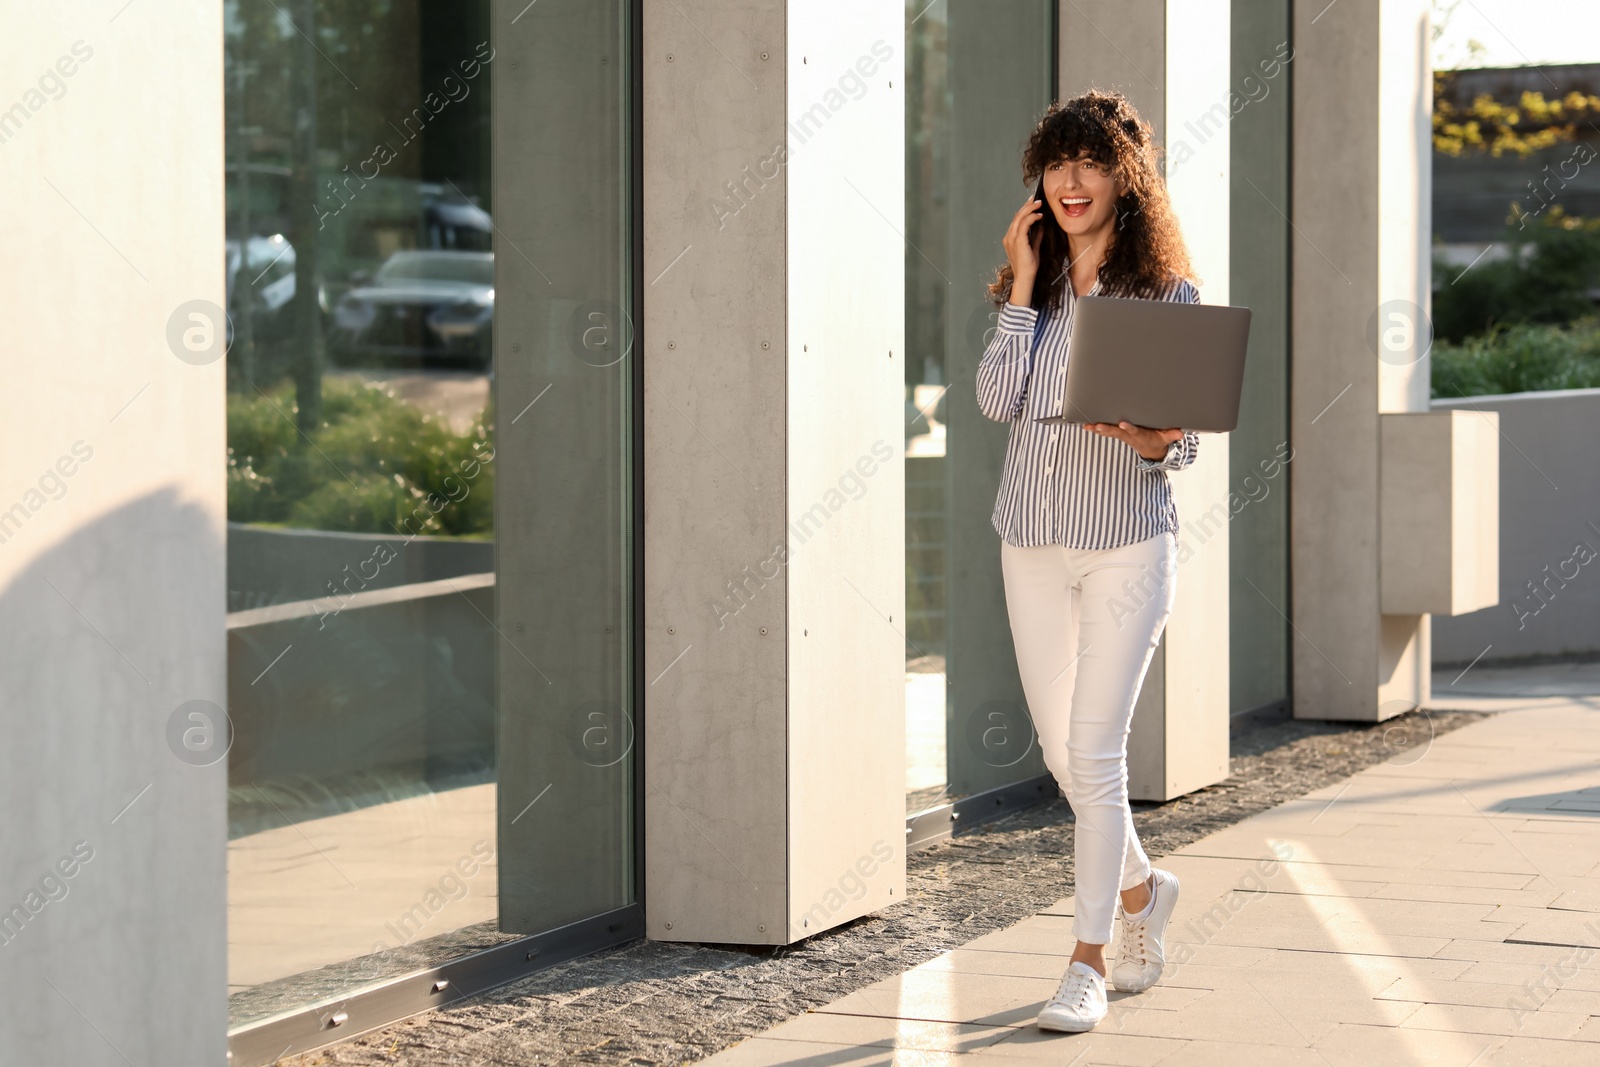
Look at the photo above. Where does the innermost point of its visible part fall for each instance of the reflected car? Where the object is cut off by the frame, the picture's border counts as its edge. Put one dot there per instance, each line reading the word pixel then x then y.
pixel 422 306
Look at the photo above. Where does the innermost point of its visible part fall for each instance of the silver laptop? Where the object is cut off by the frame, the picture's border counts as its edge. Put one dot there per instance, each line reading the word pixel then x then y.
pixel 1155 363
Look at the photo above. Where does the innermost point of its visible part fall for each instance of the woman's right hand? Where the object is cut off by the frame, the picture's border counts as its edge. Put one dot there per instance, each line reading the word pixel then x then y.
pixel 1022 249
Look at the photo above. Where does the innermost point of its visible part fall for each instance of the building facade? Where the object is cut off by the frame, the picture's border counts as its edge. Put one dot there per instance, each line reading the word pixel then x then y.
pixel 564 516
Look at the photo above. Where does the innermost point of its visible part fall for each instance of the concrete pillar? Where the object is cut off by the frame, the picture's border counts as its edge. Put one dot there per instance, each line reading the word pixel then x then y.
pixel 774 471
pixel 113 671
pixel 1171 60
pixel 1361 166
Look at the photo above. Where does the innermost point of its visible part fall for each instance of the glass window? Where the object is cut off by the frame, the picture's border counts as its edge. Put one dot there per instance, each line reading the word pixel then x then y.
pixel 1259 457
pixel 979 74
pixel 369 630
pixel 567 483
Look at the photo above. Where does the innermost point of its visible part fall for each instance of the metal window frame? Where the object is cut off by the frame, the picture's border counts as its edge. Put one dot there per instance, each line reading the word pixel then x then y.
pixel 309 1028
pixel 636 309
pixel 1288 368
pixel 944 821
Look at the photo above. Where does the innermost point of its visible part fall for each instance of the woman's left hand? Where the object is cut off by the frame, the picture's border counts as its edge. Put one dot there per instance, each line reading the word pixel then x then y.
pixel 1151 444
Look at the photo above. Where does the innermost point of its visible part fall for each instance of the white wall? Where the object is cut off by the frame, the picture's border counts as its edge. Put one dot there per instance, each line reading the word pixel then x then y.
pixel 846 420
pixel 1549 532
pixel 111 582
pixel 1405 189
pixel 1194 652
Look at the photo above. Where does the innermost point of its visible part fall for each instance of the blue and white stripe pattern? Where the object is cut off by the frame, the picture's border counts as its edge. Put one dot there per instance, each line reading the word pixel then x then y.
pixel 1062 484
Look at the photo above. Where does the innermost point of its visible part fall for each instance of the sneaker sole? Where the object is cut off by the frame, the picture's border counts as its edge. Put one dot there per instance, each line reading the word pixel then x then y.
pixel 1067 1028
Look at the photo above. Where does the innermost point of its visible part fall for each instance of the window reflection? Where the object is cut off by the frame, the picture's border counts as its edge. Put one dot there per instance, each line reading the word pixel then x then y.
pixel 361 474
pixel 978 73
pixel 420 305
pixel 927 229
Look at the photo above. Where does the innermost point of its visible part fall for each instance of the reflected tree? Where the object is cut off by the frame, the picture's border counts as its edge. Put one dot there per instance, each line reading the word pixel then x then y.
pixel 308 365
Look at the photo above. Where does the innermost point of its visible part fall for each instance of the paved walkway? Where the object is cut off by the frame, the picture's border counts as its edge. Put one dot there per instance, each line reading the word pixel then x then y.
pixel 1440 908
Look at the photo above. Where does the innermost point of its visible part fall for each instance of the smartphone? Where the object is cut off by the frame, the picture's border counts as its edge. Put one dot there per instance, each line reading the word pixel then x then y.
pixel 1047 226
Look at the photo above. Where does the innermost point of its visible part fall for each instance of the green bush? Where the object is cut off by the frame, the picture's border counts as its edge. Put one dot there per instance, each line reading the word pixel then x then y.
pixel 369 468
pixel 1553 264
pixel 1519 359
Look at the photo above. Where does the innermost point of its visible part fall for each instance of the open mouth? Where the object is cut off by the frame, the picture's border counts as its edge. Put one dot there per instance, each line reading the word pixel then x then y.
pixel 1074 206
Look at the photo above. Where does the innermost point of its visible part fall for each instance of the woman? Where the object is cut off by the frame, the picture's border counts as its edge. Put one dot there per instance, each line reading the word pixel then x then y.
pixel 1089 529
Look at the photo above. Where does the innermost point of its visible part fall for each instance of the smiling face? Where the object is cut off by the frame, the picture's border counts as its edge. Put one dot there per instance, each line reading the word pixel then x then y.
pixel 1083 195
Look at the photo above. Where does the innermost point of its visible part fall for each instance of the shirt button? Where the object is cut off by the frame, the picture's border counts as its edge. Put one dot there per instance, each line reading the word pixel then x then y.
pixel 1053 436
pixel 1047 470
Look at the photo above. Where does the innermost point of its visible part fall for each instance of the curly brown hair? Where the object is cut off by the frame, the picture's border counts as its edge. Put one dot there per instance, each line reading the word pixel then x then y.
pixel 1147 254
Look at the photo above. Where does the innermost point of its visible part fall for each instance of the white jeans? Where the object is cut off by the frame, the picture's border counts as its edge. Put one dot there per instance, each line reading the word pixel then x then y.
pixel 1085 623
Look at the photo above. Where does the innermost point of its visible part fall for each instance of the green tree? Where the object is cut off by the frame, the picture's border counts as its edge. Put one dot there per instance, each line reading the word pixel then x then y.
pixel 1546 277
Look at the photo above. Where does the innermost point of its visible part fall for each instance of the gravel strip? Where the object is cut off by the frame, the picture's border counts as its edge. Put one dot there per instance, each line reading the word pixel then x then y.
pixel 652 1002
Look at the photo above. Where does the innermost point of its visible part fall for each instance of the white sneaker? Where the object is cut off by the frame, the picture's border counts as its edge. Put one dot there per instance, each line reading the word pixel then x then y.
pixel 1079 1003
pixel 1142 953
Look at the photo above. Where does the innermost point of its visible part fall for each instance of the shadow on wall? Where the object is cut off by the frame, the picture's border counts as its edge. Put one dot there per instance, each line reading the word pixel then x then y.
pixel 107 631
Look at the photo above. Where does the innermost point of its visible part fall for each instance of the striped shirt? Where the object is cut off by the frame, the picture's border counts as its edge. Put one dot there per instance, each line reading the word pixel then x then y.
pixel 1063 484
